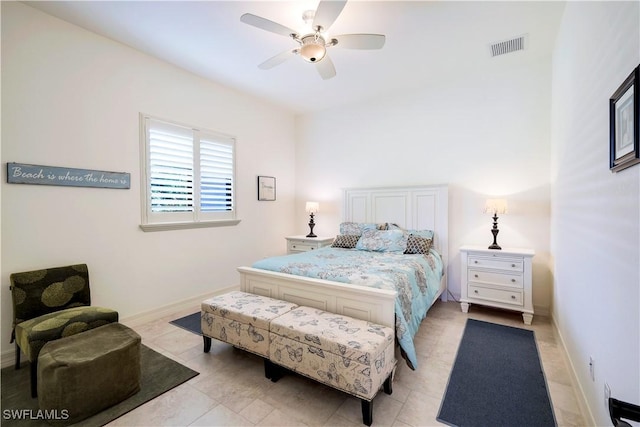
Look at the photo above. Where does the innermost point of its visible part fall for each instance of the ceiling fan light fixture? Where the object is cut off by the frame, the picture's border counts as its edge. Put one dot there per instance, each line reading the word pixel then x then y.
pixel 312 42
pixel 313 49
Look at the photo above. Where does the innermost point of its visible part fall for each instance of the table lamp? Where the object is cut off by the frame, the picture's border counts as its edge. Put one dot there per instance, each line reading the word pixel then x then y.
pixel 312 208
pixel 495 207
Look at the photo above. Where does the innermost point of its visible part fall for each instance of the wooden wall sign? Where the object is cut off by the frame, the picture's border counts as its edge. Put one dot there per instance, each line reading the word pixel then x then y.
pixel 21 173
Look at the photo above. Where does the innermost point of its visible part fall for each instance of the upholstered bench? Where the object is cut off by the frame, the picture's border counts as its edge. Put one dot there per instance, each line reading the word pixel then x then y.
pixel 348 354
pixel 241 319
pixel 85 373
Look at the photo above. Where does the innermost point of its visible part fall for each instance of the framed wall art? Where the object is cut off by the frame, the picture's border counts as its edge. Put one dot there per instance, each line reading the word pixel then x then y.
pixel 624 113
pixel 266 188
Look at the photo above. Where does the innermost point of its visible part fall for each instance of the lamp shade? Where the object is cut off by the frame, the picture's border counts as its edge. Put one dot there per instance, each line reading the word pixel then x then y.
pixel 495 206
pixel 312 207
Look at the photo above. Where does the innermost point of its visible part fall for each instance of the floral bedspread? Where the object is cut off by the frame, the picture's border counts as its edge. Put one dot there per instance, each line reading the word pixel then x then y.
pixel 416 278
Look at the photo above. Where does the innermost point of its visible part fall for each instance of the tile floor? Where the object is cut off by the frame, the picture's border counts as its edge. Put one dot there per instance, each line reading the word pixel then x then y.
pixel 231 389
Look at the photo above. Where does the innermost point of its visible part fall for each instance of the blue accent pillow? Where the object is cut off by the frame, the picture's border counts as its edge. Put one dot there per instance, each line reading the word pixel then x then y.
pixel 427 234
pixel 356 228
pixel 383 241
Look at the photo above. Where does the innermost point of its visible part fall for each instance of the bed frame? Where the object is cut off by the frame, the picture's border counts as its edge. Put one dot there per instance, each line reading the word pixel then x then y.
pixel 420 207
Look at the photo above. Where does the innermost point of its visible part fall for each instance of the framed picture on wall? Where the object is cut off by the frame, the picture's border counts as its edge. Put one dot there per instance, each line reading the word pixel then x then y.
pixel 624 113
pixel 266 188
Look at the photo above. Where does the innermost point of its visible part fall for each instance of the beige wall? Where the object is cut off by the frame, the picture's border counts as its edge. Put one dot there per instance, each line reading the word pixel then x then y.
pixel 485 135
pixel 72 98
pixel 595 227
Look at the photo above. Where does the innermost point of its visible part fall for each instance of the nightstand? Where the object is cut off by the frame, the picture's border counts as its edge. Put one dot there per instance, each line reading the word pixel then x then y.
pixel 497 278
pixel 296 244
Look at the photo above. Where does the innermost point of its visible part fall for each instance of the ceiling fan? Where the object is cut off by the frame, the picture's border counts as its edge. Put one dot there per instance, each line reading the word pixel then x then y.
pixel 312 47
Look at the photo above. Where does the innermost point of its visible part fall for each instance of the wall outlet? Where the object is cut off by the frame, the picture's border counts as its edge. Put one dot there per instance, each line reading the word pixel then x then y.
pixel 592 368
pixel 607 395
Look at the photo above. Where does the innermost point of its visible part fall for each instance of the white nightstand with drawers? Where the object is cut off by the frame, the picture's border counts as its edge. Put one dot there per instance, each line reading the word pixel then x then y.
pixel 497 278
pixel 296 244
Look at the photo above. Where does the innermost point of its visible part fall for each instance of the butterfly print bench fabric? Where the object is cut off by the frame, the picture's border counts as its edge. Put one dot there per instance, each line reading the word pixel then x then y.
pixel 241 319
pixel 351 355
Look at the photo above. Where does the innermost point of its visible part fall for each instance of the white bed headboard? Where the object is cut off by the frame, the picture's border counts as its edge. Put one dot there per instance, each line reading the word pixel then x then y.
pixel 418 208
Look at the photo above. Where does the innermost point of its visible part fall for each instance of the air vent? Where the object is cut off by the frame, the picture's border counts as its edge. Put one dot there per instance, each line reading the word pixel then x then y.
pixel 508 46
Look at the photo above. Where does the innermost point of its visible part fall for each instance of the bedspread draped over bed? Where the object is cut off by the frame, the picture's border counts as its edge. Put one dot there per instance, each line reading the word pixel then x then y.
pixel 415 278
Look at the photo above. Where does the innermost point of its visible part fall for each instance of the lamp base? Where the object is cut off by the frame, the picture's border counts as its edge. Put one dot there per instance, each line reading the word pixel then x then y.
pixel 495 232
pixel 311 225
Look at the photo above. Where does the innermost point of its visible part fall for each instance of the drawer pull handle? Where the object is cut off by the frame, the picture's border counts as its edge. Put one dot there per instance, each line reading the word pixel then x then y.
pixel 476 291
pixel 475 275
pixel 513 280
pixel 513 265
pixel 475 262
pixel 513 297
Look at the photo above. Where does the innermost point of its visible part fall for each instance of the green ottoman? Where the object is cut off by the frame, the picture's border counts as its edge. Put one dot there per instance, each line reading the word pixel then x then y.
pixel 85 373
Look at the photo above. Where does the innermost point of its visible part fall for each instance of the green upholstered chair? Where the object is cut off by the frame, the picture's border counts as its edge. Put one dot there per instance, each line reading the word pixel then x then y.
pixel 50 304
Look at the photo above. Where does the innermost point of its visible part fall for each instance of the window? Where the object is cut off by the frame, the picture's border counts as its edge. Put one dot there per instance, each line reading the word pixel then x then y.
pixel 188 176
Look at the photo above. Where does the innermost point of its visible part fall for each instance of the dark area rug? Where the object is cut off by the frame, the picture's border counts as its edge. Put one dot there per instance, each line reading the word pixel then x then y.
pixel 191 323
pixel 159 375
pixel 497 380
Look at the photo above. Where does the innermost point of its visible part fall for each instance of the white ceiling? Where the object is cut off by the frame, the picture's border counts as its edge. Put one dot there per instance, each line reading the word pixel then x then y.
pixel 426 41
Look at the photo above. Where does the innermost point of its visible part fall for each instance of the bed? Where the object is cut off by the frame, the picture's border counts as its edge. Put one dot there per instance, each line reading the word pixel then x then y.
pixel 410 208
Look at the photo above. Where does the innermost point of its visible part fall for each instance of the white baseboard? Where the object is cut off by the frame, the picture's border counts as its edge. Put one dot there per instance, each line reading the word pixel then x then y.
pixel 541 310
pixel 160 312
pixel 8 358
pixel 580 396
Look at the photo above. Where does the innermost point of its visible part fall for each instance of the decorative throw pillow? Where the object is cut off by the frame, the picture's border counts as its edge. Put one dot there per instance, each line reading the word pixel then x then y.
pixel 383 241
pixel 418 245
pixel 356 228
pixel 347 241
pixel 427 234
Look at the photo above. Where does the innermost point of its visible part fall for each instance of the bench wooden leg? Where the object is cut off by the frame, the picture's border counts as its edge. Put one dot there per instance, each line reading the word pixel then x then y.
pixel 207 344
pixel 272 371
pixel 387 386
pixel 367 411
pixel 267 368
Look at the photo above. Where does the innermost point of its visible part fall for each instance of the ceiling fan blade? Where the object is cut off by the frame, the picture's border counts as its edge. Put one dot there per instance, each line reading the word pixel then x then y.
pixel 278 59
pixel 360 41
pixel 327 13
pixel 265 24
pixel 325 68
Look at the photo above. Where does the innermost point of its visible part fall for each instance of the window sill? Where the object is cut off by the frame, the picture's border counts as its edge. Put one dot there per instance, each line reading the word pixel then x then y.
pixel 168 226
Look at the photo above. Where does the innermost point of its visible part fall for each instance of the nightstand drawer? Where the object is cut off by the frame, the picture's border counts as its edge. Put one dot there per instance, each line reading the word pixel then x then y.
pixel 296 244
pixel 301 247
pixel 497 295
pixel 504 279
pixel 502 263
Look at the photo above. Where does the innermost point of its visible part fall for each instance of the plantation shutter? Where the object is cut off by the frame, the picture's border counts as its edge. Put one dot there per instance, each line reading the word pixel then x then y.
pixel 216 174
pixel 189 174
pixel 171 168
